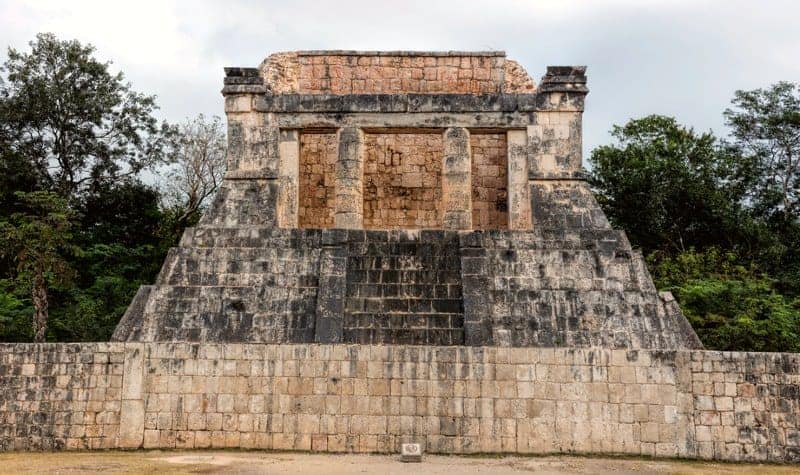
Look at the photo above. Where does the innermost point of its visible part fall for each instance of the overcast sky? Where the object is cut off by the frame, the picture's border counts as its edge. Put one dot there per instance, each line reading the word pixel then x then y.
pixel 683 58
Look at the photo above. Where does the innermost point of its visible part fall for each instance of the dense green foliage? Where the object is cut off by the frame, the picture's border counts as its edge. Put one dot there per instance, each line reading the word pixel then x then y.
pixel 38 241
pixel 718 219
pixel 730 306
pixel 76 136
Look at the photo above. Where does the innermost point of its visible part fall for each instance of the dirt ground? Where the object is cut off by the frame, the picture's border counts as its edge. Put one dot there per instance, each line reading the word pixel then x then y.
pixel 163 462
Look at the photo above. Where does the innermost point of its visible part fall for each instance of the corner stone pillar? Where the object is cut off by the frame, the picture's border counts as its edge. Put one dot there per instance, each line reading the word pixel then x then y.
pixel 519 203
pixel 559 196
pixel 349 206
pixel 555 140
pixel 456 180
pixel 288 178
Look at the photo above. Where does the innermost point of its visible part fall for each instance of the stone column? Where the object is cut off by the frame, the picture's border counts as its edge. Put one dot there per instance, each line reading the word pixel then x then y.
pixel 131 417
pixel 288 177
pixel 249 193
pixel 349 207
pixel 555 140
pixel 519 204
pixel 559 195
pixel 456 180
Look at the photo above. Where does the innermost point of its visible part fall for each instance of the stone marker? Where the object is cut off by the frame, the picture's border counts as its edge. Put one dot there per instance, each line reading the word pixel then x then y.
pixel 410 453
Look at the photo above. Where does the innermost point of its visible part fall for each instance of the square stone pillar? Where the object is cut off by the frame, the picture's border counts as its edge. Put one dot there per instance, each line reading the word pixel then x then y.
pixel 349 206
pixel 456 180
pixel 131 418
pixel 519 203
pixel 288 178
pixel 555 145
pixel 555 140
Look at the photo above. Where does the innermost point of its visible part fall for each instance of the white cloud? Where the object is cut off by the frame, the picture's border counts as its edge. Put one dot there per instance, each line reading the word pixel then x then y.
pixel 683 58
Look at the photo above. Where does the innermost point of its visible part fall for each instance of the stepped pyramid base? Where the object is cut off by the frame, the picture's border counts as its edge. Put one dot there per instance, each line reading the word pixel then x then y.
pixel 461 142
pixel 508 288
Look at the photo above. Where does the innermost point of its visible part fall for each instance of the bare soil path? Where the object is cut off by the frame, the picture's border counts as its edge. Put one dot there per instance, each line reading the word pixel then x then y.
pixel 169 462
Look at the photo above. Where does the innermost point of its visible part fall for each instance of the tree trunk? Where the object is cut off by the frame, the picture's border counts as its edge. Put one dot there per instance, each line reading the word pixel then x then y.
pixel 39 295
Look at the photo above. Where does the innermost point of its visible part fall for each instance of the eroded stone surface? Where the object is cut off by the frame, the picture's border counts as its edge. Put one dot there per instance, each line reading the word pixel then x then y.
pixel 489 181
pixel 318 154
pixel 485 232
pixel 402 181
pixel 372 398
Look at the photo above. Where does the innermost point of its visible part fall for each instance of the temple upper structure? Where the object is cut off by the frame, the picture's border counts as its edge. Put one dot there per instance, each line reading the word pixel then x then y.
pixel 405 197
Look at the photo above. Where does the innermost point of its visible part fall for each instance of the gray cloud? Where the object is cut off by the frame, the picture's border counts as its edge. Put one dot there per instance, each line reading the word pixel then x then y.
pixel 681 58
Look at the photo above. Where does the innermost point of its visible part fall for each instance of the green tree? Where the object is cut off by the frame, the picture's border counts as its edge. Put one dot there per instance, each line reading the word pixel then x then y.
pixel 731 306
pixel 693 204
pixel 765 130
pixel 765 134
pixel 663 184
pixel 76 123
pixel 37 240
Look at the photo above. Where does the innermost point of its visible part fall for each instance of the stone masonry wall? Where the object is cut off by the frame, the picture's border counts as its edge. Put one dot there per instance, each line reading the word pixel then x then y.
pixel 318 153
pixel 489 181
pixel 340 73
pixel 514 288
pixel 361 398
pixel 60 396
pixel 402 180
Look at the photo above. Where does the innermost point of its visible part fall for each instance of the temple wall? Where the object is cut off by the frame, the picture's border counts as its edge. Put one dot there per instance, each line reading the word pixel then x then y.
pixel 402 180
pixel 362 398
pixel 489 181
pixel 318 154
pixel 343 72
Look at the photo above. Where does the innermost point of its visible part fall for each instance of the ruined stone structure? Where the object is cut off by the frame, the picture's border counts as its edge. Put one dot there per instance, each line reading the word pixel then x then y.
pixel 372 398
pixel 403 250
pixel 406 198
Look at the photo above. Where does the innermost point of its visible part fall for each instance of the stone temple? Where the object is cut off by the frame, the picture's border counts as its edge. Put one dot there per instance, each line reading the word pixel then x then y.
pixel 404 250
pixel 405 198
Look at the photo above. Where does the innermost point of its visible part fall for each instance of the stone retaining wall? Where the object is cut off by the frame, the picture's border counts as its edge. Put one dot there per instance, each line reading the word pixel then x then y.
pixel 695 404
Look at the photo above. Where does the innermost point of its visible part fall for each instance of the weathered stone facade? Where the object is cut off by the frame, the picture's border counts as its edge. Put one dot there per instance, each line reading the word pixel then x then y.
pixel 369 398
pixel 401 197
pixel 402 181
pixel 403 250
pixel 489 181
pixel 317 189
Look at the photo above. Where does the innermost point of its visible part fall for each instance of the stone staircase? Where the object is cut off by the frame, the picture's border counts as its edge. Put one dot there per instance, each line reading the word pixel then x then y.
pixel 404 287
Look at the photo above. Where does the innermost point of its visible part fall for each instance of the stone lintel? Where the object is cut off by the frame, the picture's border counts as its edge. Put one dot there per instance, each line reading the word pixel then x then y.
pixel 250 175
pixel 258 89
pixel 369 120
pixel 415 103
pixel 577 175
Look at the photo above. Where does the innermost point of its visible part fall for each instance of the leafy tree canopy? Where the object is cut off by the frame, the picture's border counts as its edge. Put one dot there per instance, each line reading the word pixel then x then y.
pixel 77 124
pixel 665 185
